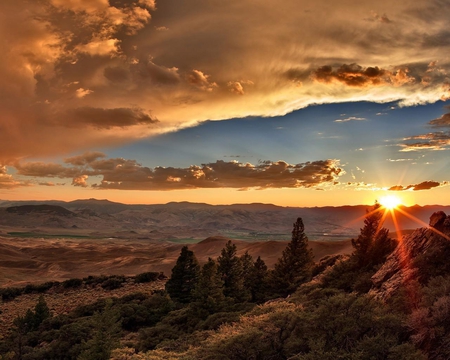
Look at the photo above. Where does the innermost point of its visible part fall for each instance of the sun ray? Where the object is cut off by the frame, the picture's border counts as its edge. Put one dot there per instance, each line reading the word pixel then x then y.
pixel 390 201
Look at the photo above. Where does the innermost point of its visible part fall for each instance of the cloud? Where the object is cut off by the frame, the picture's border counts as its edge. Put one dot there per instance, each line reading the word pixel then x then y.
pixel 45 170
pixel 88 6
pixel 426 185
pixel 236 87
pixel 7 181
pixel 358 76
pixel 100 47
pixel 108 118
pixel 443 121
pixel 380 18
pixel 125 174
pixel 81 93
pixel 167 76
pixel 51 184
pixel 201 80
pixel 116 58
pixel 84 159
pixel 80 181
pixel 351 118
pixel 116 74
pixel 399 160
pixel 439 140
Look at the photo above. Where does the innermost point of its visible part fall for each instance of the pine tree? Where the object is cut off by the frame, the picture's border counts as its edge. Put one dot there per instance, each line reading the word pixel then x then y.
pixel 258 281
pixel 207 296
pixel 184 276
pixel 33 319
pixel 295 265
pixel 373 243
pixel 247 273
pixel 232 273
pixel 41 312
pixel 106 335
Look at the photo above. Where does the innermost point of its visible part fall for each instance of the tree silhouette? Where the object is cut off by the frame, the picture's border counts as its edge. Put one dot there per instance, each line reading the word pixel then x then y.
pixel 208 297
pixel 106 334
pixel 294 266
pixel 184 276
pixel 232 273
pixel 258 281
pixel 373 243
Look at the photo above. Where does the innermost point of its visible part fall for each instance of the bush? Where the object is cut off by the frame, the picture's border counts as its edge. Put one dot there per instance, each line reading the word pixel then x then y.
pixel 95 280
pixel 114 282
pixel 72 283
pixel 148 277
pixel 40 288
pixel 10 293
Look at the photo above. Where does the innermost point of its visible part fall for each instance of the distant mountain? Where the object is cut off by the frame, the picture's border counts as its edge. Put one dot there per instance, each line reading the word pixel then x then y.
pixel 39 209
pixel 185 220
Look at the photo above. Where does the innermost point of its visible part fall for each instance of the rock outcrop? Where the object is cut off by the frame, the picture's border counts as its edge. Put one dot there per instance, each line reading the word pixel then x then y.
pixel 401 266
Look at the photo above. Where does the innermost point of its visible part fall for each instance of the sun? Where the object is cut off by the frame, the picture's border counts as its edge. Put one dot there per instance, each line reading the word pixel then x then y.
pixel 390 201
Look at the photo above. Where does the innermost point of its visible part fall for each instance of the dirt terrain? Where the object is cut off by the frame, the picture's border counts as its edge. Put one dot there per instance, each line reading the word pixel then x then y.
pixel 36 260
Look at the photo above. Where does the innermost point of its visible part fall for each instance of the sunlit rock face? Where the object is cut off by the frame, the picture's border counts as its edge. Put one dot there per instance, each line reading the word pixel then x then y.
pixel 401 267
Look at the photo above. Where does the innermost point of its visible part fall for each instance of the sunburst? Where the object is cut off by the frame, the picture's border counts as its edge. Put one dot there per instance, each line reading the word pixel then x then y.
pixel 390 202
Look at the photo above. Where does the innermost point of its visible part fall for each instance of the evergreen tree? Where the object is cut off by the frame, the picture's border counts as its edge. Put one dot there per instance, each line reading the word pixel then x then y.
pixel 207 296
pixel 33 319
pixel 106 334
pixel 41 312
pixel 258 281
pixel 373 243
pixel 184 276
pixel 247 273
pixel 296 262
pixel 232 273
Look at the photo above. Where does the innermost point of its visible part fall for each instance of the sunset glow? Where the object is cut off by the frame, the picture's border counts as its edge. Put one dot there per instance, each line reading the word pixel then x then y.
pixel 146 101
pixel 390 201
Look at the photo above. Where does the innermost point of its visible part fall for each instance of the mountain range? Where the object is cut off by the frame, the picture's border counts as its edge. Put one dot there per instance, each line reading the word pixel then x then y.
pixel 191 222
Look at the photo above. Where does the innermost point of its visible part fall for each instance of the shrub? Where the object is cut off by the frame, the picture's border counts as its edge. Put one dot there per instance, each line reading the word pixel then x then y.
pixel 148 277
pixel 10 293
pixel 114 282
pixel 72 283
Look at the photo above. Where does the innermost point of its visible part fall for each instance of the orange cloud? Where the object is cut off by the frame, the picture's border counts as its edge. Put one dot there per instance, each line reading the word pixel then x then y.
pixel 107 118
pixel 201 80
pixel 425 185
pixel 357 76
pixel 115 58
pixel 8 182
pixel 439 140
pixel 236 87
pixel 118 173
pixel 443 121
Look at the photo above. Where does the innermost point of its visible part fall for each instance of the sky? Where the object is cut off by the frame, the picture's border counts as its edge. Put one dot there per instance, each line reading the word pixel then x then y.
pixel 296 103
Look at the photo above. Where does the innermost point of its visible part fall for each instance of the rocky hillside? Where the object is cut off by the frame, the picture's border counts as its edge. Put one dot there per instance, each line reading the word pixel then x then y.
pixel 419 256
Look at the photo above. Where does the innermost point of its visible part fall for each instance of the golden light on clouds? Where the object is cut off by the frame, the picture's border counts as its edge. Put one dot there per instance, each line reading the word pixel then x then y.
pixel 89 75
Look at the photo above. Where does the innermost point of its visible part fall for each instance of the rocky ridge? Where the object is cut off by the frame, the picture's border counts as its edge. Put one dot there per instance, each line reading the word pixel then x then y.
pixel 402 266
